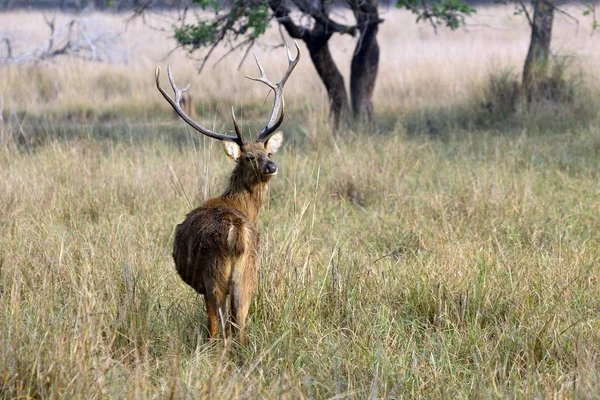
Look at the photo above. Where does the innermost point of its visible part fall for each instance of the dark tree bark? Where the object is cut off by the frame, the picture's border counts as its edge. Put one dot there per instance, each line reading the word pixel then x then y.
pixel 331 77
pixel 365 62
pixel 317 42
pixel 537 63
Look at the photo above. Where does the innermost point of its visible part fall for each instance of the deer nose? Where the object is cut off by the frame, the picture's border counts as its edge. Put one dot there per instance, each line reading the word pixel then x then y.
pixel 271 168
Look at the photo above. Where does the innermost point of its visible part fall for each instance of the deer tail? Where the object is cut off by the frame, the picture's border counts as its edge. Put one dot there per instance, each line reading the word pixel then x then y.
pixel 238 238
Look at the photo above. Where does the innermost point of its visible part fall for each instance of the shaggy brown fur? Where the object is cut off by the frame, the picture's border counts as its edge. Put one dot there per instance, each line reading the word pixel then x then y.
pixel 216 246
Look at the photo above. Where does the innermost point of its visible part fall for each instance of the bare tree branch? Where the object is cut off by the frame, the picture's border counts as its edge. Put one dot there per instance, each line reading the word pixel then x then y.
pixel 527 15
pixel 71 39
pixel 245 55
pixel 232 48
pixel 323 19
pixel 140 11
pixel 282 15
pixel 569 16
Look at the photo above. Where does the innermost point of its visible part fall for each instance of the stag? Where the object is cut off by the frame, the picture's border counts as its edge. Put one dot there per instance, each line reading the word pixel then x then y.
pixel 216 247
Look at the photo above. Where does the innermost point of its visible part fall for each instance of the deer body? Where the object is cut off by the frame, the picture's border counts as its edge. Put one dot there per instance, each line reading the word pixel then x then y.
pixel 215 252
pixel 216 247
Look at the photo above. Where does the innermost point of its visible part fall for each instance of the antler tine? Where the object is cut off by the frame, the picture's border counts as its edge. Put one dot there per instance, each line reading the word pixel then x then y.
pixel 263 76
pixel 277 113
pixel 291 62
pixel 178 92
pixel 176 104
pixel 238 132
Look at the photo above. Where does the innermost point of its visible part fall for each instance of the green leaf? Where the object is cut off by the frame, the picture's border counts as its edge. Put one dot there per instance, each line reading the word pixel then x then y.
pixel 196 35
pixel 258 19
pixel 204 4
pixel 451 13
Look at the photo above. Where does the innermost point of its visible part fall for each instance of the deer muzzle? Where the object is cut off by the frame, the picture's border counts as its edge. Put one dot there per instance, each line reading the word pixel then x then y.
pixel 270 168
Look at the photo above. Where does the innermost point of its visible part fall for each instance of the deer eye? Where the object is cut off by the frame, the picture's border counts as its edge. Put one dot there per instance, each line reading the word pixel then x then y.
pixel 249 157
pixel 269 155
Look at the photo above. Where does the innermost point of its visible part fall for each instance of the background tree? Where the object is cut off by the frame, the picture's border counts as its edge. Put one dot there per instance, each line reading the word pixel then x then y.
pixel 537 69
pixel 537 63
pixel 246 20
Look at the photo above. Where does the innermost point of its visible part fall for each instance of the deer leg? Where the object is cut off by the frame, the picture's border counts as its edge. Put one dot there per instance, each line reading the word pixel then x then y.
pixel 241 297
pixel 217 312
pixel 234 316
pixel 212 319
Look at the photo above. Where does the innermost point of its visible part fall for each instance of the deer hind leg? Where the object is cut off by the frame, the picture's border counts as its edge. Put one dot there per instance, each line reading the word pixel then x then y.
pixel 240 304
pixel 212 319
pixel 216 300
pixel 241 297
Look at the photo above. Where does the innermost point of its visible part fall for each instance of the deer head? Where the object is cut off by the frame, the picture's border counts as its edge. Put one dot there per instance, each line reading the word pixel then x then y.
pixel 254 164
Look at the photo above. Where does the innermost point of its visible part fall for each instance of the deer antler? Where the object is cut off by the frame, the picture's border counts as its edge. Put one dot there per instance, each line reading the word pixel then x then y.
pixel 277 112
pixel 176 104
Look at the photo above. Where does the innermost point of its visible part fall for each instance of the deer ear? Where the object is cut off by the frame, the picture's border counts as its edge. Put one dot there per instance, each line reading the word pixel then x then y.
pixel 232 149
pixel 274 142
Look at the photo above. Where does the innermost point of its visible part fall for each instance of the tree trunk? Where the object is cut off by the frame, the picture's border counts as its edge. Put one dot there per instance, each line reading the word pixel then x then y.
pixel 317 41
pixel 333 80
pixel 537 62
pixel 365 62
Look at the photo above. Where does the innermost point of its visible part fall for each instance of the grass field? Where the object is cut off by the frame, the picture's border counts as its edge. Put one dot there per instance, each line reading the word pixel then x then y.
pixel 398 264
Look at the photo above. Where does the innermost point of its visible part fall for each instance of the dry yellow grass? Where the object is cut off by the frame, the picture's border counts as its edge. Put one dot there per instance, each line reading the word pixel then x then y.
pixel 392 265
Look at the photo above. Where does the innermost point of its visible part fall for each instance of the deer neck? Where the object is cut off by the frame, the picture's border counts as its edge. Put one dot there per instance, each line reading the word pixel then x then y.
pixel 245 197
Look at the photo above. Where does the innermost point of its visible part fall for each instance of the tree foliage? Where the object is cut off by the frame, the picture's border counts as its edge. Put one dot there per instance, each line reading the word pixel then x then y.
pixel 244 21
pixel 248 19
pixel 450 13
